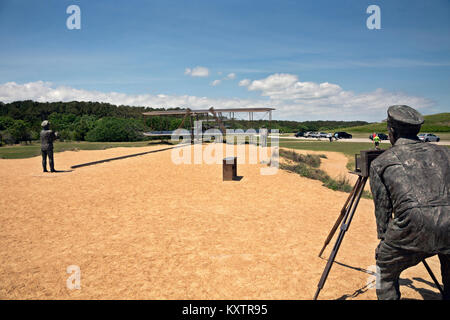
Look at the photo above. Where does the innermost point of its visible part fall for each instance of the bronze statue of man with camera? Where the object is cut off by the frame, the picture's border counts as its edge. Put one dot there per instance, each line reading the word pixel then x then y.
pixel 410 184
pixel 47 138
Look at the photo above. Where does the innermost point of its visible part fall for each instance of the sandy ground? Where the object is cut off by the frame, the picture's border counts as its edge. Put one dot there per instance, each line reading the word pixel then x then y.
pixel 145 228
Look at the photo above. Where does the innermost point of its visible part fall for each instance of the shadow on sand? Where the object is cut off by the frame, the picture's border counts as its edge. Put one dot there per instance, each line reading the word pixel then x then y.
pixel 426 294
pixel 124 157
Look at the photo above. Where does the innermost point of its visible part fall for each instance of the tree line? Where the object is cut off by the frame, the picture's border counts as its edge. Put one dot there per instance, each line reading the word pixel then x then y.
pixel 20 121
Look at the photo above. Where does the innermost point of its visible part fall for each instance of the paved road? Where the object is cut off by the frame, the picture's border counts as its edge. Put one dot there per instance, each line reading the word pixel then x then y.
pixel 444 143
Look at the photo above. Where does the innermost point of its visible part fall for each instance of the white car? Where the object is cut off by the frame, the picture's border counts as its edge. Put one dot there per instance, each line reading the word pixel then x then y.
pixel 427 137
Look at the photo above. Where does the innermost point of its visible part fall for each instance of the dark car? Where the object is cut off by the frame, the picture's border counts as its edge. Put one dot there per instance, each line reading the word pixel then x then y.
pixel 342 135
pixel 382 136
pixel 300 134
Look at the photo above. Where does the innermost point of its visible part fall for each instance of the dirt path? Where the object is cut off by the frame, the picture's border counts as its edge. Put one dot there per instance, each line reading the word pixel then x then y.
pixel 146 228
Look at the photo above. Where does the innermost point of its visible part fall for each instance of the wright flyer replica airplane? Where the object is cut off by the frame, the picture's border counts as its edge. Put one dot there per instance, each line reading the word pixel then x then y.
pixel 217 115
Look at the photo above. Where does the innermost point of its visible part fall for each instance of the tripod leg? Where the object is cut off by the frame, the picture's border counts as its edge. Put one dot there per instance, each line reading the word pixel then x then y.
pixel 344 227
pixel 341 216
pixel 433 277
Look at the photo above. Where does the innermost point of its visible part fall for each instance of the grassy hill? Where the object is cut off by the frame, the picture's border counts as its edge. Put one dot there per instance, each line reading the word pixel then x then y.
pixel 439 122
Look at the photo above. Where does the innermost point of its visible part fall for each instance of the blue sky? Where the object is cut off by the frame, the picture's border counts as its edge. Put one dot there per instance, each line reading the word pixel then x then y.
pixel 309 59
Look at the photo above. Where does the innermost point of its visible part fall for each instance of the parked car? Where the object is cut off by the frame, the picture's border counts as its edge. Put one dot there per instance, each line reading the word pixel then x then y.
pixel 300 134
pixel 382 136
pixel 427 137
pixel 342 135
pixel 323 135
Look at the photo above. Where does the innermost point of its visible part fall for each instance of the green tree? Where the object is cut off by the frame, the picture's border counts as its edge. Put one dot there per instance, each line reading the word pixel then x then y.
pixel 6 137
pixel 82 126
pixel 6 122
pixel 61 121
pixel 114 129
pixel 19 131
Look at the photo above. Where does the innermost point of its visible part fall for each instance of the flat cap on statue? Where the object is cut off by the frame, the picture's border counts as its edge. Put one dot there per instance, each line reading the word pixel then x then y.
pixel 44 123
pixel 404 115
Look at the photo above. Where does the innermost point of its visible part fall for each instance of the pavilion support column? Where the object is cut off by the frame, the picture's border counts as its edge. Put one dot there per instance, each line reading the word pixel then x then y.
pixel 270 120
pixel 192 129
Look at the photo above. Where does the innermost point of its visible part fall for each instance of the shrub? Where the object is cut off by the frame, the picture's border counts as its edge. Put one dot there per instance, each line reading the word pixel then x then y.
pixel 309 159
pixel 341 184
pixel 304 166
pixel 306 171
pixel 367 194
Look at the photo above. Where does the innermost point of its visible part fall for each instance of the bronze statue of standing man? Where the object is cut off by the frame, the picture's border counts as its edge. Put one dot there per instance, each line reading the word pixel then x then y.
pixel 410 184
pixel 47 138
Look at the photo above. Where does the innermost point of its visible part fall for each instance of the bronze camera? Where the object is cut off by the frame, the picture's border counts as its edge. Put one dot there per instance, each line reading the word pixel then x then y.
pixel 363 160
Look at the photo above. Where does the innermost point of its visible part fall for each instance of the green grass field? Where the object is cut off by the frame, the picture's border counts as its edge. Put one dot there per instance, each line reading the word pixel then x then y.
pixel 28 151
pixel 347 148
pixel 436 123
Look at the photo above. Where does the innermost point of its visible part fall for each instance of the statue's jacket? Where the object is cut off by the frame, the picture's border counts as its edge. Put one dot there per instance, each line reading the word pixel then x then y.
pixel 410 186
pixel 47 138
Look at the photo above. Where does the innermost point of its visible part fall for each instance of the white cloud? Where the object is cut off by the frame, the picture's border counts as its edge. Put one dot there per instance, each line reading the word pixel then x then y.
pixel 230 76
pixel 47 92
pixel 197 72
pixel 244 83
pixel 292 99
pixel 287 90
pixel 215 82
pixel 287 87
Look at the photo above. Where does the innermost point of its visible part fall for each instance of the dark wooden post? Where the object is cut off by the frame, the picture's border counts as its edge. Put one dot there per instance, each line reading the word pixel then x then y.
pixel 229 168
